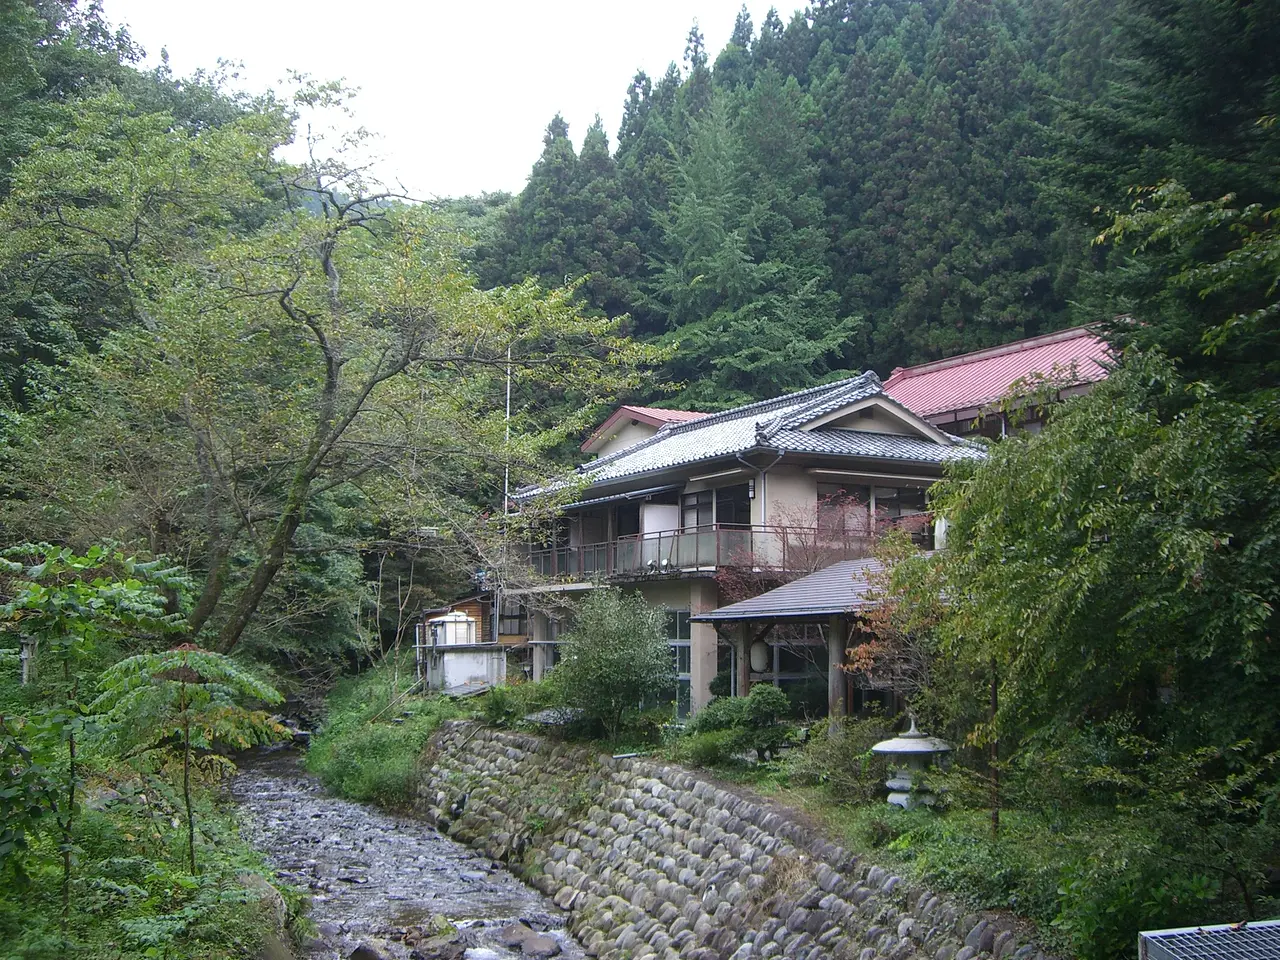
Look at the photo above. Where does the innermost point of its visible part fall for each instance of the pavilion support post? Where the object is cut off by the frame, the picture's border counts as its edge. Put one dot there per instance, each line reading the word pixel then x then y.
pixel 837 683
pixel 743 645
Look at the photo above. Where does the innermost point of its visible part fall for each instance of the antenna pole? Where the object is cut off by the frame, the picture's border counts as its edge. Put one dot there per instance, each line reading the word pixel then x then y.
pixel 506 469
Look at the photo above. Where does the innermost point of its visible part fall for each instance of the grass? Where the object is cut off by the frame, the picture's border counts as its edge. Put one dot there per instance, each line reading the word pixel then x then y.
pixel 368 746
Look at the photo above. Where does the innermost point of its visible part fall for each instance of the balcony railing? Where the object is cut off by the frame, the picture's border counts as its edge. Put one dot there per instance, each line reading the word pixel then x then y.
pixel 712 547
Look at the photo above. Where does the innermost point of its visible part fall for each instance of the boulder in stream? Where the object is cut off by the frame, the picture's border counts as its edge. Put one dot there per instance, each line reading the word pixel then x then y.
pixel 373 949
pixel 540 947
pixel 515 934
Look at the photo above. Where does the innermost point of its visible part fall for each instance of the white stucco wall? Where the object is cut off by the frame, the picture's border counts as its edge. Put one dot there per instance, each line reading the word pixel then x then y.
pixel 792 497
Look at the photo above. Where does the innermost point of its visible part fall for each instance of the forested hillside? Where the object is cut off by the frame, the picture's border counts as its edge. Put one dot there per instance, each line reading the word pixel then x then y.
pixel 864 186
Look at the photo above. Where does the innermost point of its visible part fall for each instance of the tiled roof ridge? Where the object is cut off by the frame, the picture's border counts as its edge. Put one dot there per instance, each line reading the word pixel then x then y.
pixel 734 413
pixel 820 405
pixel 986 353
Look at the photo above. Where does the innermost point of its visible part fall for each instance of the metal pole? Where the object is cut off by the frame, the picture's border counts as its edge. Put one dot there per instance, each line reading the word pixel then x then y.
pixel 506 469
pixel 506 503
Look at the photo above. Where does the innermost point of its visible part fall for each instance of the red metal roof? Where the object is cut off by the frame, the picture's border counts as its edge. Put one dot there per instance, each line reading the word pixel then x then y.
pixel 661 414
pixel 974 380
pixel 654 416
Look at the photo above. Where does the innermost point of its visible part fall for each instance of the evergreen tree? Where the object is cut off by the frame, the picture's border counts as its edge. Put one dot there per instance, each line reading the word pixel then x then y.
pixel 743 279
pixel 733 66
pixel 1188 121
pixel 916 135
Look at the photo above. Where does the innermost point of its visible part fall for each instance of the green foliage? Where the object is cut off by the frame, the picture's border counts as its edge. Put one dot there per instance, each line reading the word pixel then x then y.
pixel 616 656
pixel 839 757
pixel 72 604
pixel 860 186
pixel 756 722
pixel 155 705
pixel 707 748
pixel 1061 522
pixel 509 704
pixel 1175 164
pixel 228 408
pixel 92 855
pixel 722 713
pixel 368 745
pixel 134 896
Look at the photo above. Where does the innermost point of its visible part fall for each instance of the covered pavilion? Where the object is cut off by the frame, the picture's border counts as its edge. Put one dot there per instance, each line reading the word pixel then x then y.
pixel 835 596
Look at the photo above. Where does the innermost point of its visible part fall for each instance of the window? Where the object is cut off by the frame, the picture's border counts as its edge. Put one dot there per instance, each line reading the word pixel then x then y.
pixel 556 628
pixel 906 509
pixel 900 501
pixel 513 619
pixel 842 508
pixel 733 506
pixel 697 510
pixel 680 634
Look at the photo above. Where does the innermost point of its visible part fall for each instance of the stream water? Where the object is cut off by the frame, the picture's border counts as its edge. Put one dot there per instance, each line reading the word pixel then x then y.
pixel 377 876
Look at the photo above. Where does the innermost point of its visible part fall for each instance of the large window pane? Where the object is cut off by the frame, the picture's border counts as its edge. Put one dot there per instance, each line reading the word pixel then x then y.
pixel 899 501
pixel 843 508
pixel 733 506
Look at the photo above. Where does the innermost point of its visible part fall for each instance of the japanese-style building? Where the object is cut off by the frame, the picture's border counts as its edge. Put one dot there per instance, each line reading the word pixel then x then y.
pixel 696 511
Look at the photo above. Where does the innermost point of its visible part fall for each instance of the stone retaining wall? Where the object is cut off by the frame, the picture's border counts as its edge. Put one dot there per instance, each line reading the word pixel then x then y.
pixel 650 861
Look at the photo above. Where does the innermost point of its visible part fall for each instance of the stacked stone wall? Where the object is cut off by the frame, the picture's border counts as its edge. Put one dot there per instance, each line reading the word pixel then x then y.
pixel 651 861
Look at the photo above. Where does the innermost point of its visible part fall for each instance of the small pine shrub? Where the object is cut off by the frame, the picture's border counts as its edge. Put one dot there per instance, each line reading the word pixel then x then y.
pixel 710 748
pixel 754 722
pixel 722 713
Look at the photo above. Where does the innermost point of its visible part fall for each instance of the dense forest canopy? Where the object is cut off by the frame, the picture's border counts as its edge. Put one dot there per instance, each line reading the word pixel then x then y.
pixel 865 186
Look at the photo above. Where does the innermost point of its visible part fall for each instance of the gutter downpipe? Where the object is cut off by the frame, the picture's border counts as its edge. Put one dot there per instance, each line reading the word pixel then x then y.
pixel 761 471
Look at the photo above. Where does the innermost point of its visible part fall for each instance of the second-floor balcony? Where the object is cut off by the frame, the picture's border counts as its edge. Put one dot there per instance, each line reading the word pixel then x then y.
pixel 709 548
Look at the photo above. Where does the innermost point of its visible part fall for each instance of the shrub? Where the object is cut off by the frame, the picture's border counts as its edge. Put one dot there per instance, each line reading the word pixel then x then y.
pixel 755 721
pixel 615 657
pixel 722 713
pixel 509 704
pixel 722 684
pixel 645 728
pixel 838 756
pixel 1119 885
pixel 707 749
pixel 765 731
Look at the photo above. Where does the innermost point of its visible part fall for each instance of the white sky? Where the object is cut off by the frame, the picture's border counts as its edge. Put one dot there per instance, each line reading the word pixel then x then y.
pixel 460 94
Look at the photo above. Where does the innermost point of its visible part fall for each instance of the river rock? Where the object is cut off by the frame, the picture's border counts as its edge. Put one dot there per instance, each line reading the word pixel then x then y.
pixel 515 934
pixel 440 948
pixel 541 947
pixel 372 950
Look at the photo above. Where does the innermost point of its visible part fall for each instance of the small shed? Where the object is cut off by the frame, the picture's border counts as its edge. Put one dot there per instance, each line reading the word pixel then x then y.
pixel 453 656
pixel 834 596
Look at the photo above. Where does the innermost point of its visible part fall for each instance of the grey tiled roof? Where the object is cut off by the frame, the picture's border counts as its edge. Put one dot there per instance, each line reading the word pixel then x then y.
pixel 843 587
pixel 772 424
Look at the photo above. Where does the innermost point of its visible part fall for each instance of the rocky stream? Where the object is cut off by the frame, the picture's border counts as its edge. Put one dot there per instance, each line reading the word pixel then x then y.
pixel 387 886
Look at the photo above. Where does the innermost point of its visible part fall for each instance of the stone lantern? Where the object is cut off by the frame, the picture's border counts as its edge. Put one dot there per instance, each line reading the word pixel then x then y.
pixel 909 755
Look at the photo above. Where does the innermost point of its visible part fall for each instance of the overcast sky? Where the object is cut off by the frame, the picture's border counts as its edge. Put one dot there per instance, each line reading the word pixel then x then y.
pixel 459 93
